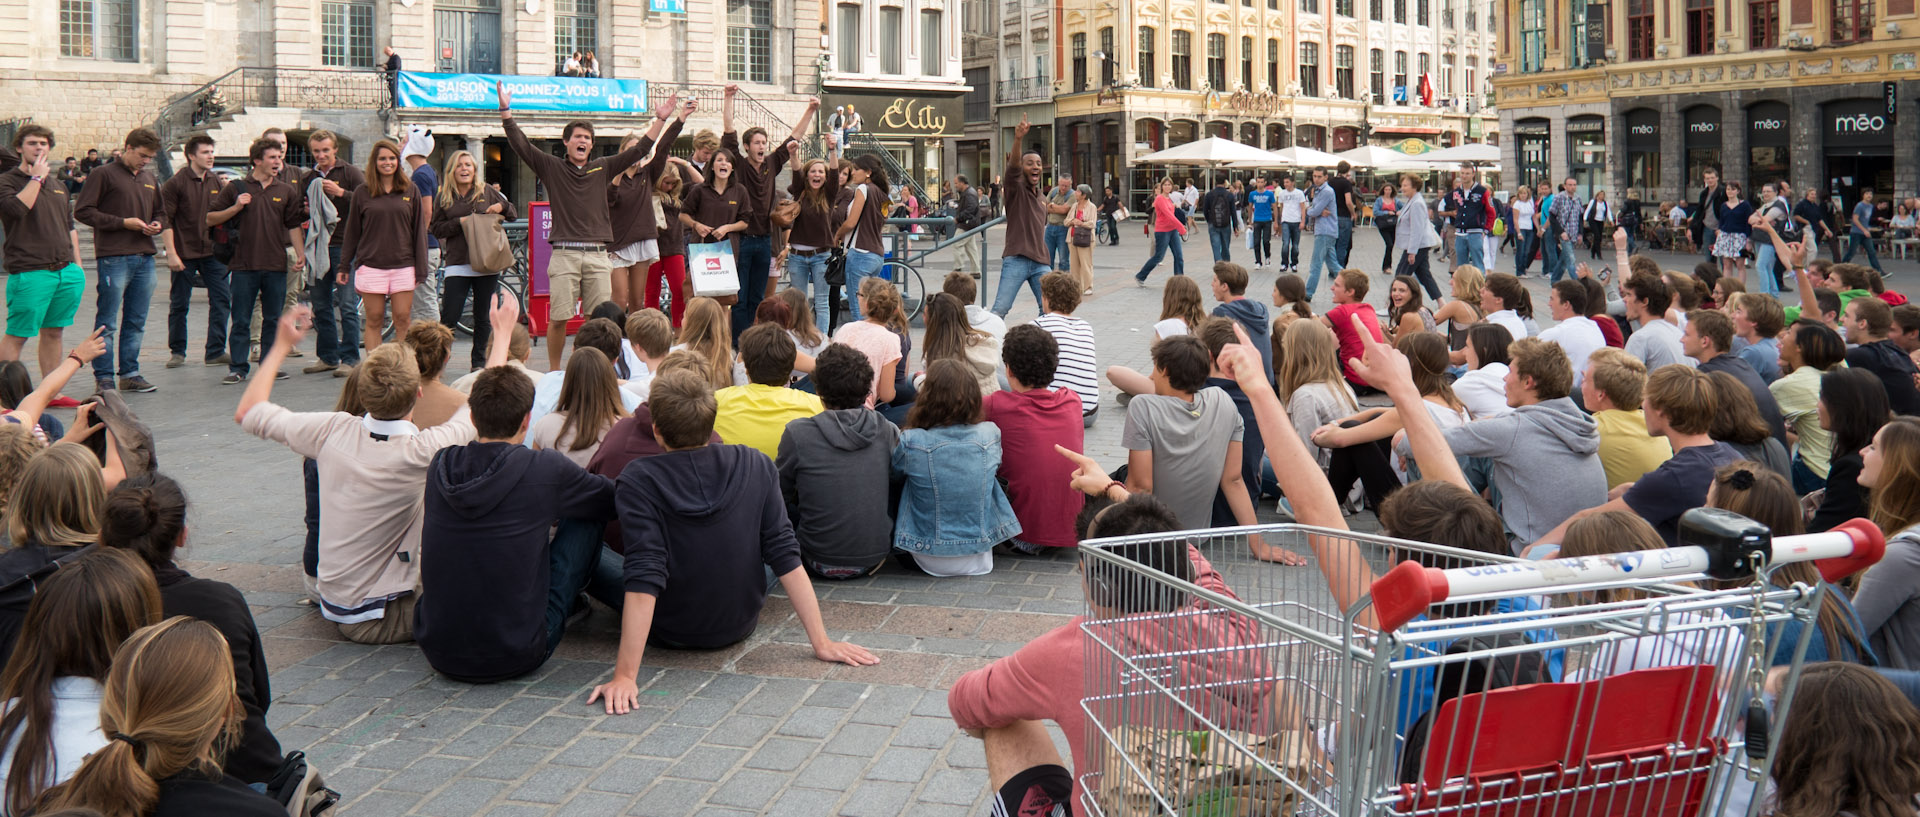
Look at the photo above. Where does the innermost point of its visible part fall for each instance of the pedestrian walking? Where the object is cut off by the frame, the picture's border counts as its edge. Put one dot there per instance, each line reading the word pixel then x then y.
pixel 1168 231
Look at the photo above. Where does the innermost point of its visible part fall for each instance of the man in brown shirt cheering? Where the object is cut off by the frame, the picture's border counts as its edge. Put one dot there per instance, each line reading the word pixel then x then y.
pixel 42 253
pixel 121 202
pixel 757 170
pixel 269 215
pixel 336 313
pixel 582 226
pixel 190 250
pixel 1024 257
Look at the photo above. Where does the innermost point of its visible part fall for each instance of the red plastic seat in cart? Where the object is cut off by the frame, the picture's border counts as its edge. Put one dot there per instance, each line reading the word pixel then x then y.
pixel 1637 744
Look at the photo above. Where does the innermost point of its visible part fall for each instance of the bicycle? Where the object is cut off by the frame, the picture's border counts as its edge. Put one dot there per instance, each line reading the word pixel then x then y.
pixel 1102 232
pixel 906 278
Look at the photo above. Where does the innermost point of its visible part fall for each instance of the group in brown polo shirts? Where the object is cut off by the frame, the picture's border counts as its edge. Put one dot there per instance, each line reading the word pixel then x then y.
pixel 121 202
pixel 43 289
pixel 186 199
pixel 270 219
pixel 754 247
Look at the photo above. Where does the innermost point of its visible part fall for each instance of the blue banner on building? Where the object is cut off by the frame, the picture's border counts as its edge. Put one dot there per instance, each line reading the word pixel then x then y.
pixel 476 92
pixel 667 6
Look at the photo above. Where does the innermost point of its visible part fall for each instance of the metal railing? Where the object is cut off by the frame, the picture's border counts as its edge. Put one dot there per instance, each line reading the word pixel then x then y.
pixel 747 111
pixel 1024 90
pixel 243 88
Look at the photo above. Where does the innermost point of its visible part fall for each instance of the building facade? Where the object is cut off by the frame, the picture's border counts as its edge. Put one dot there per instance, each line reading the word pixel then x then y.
pixel 897 63
pixel 1332 75
pixel 1647 95
pixel 94 69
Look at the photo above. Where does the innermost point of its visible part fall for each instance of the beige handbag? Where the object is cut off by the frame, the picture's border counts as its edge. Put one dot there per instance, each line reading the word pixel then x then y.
pixel 488 250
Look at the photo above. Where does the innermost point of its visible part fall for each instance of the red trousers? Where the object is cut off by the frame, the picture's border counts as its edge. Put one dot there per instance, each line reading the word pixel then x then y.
pixel 674 267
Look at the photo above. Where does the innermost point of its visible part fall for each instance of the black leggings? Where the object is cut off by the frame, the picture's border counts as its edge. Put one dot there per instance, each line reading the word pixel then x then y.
pixel 1371 463
pixel 454 299
pixel 1386 257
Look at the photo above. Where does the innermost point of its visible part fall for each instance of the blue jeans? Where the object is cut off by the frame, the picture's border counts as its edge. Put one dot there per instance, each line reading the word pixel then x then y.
pixel 1290 244
pixel 1855 241
pixel 219 305
pixel 125 290
pixel 1568 260
pixel 808 273
pixel 571 559
pixel 1523 253
pixel 1016 270
pixel 1325 252
pixel 1161 242
pixel 1707 237
pixel 1222 240
pixel 336 339
pixel 861 265
pixel 1344 245
pixel 1057 246
pixel 755 263
pixel 1763 261
pixel 269 289
pixel 1549 257
pixel 1470 249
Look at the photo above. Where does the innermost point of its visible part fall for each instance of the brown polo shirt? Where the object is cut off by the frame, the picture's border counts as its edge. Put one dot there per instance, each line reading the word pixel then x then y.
pixel 758 181
pixel 1026 214
pixel 263 223
pixel 814 225
pixel 349 178
pixel 388 231
pixel 40 238
pixel 444 223
pixel 578 194
pixel 186 201
pixel 112 193
pixel 630 203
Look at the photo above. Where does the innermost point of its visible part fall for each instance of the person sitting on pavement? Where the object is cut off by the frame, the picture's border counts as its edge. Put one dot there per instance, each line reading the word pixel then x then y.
pixel 706 537
pixel 755 415
pixel 834 468
pixel 1033 418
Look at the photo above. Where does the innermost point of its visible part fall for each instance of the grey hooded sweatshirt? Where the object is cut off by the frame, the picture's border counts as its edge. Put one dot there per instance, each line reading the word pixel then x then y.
pixel 1546 463
pixel 836 473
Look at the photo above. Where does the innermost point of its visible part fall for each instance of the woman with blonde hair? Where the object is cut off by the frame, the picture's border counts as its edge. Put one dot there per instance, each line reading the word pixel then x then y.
pixel 810 239
pixel 52 684
pixel 633 211
pixel 668 191
pixel 1168 232
pixel 1181 313
pixel 874 336
pixel 53 514
pixel 167 707
pixel 1463 311
pixel 589 405
pixel 461 195
pixel 708 330
pixel 1311 384
pixel 386 236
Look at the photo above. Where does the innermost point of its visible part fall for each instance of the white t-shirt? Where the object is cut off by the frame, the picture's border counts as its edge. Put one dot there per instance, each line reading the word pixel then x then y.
pixel 1511 320
pixel 1579 337
pixel 1292 204
pixel 1171 327
pixel 1484 390
pixel 1523 214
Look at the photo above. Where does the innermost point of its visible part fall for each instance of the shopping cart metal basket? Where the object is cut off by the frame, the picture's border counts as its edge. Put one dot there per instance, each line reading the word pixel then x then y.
pixel 1462 684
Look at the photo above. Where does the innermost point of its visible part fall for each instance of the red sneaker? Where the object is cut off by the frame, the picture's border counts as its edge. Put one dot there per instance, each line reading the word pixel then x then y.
pixel 63 401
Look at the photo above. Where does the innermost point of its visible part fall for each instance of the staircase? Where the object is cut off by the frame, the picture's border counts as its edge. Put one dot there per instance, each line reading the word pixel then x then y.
pixel 862 144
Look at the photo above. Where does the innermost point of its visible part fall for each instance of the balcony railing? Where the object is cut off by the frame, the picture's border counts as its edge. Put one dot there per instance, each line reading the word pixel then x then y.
pixel 244 88
pixel 1024 90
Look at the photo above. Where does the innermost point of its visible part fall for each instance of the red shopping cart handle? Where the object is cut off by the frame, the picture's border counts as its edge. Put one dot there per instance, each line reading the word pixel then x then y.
pixel 1406 591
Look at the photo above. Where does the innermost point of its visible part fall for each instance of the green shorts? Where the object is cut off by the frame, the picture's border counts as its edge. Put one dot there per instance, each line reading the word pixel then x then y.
pixel 43 299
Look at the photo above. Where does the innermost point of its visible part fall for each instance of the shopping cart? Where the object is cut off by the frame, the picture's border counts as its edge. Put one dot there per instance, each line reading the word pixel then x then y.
pixel 1461 684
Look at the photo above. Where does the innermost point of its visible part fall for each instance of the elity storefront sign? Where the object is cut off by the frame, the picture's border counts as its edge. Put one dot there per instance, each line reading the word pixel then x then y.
pixel 897 116
pixel 477 92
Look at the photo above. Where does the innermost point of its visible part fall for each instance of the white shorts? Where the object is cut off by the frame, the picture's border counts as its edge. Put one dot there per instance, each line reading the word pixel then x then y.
pixel 639 252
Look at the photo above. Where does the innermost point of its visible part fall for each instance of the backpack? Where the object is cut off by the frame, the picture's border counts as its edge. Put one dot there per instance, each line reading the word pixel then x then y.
pixel 1460 678
pixel 1220 209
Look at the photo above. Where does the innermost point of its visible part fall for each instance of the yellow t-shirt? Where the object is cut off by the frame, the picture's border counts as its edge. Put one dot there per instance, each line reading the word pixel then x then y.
pixel 1798 395
pixel 1627 451
pixel 756 415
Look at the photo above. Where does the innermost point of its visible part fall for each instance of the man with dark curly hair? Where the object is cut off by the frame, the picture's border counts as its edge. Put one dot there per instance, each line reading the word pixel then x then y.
pixel 834 464
pixel 1033 418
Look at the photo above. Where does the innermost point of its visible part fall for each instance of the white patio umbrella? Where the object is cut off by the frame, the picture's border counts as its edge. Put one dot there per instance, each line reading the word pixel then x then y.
pixel 1210 153
pixel 1476 154
pixel 1379 158
pixel 1297 157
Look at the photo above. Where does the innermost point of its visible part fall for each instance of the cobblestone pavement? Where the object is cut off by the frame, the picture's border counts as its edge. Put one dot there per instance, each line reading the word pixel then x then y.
pixel 757 729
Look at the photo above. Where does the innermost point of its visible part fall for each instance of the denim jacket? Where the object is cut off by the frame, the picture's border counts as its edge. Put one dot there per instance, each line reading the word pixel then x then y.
pixel 951 505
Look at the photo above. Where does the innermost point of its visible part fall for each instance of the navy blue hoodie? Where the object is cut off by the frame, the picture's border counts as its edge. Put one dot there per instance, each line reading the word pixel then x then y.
pixel 484 554
pixel 702 526
pixel 1252 316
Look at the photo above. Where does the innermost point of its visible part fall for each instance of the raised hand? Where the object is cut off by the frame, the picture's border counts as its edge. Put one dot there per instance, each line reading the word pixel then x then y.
pixel 293 327
pixel 732 89
pixel 1241 361
pixel 94 346
pixel 1020 131
pixel 1379 364
pixel 505 312
pixel 37 167
pixel 1619 238
pixel 506 96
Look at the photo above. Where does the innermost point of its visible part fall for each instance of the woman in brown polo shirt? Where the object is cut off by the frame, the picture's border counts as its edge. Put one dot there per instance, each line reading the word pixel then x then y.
pixel 815 188
pixel 634 214
pixel 865 221
pixel 716 211
pixel 462 195
pixel 387 242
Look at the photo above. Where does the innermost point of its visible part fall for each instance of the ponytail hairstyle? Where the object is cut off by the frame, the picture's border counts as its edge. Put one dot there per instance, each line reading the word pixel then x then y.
pixel 883 304
pixel 147 515
pixel 169 706
pixel 76 621
pixel 876 174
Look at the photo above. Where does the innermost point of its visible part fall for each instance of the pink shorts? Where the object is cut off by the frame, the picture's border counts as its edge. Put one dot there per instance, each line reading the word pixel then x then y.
pixel 375 281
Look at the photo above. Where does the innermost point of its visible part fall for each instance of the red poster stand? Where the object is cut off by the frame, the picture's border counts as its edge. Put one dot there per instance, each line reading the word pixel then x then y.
pixel 539 254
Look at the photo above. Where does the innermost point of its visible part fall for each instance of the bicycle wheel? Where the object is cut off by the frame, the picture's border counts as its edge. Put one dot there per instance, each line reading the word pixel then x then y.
pixel 1102 232
pixel 913 290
